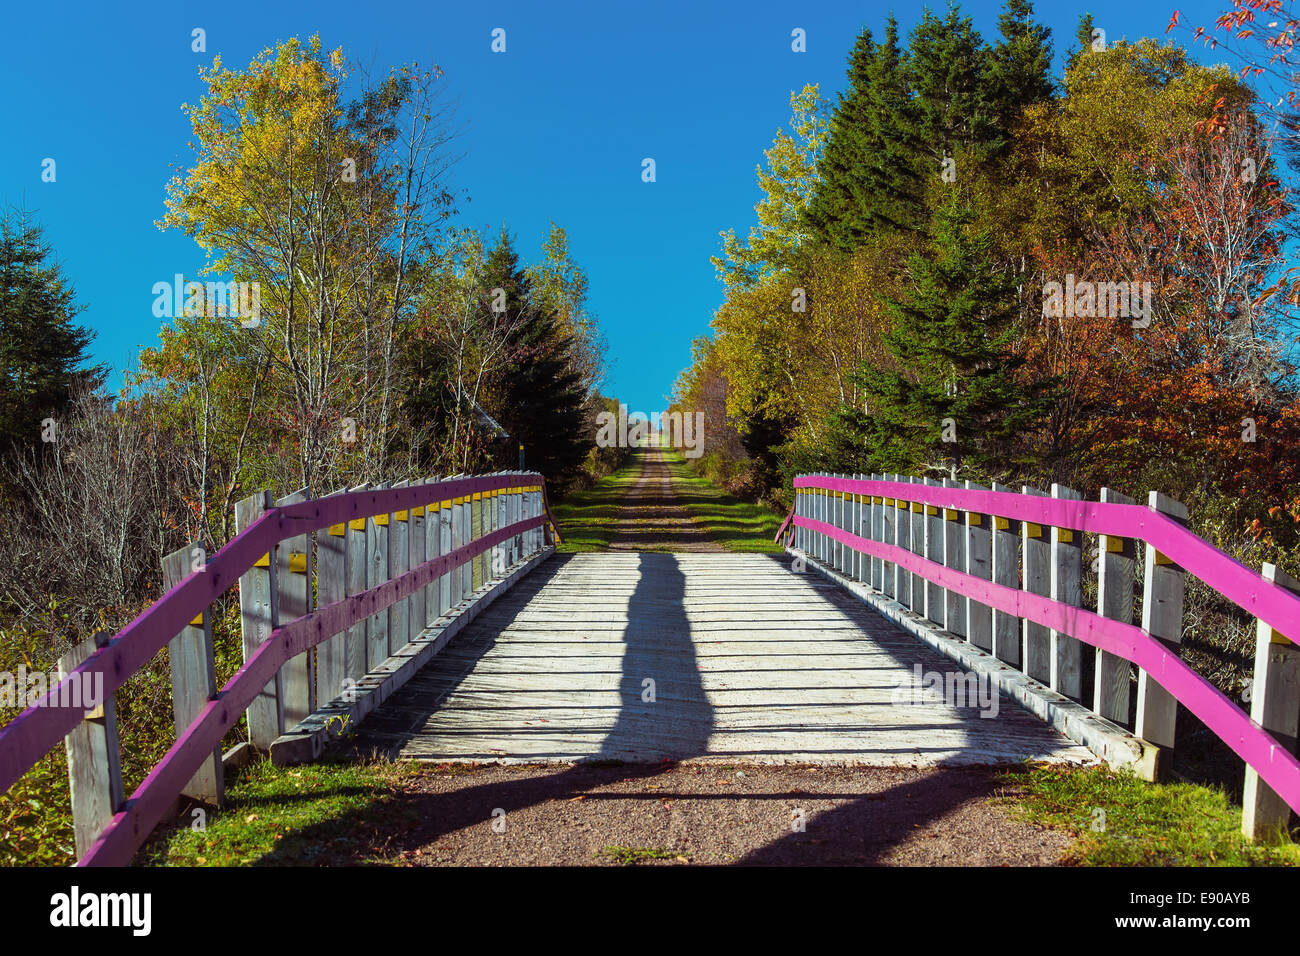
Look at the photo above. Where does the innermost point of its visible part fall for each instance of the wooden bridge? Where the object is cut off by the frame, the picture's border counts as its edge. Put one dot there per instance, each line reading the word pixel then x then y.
pixel 908 623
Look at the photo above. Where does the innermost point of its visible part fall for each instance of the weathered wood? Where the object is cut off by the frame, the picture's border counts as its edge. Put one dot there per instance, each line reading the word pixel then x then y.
pixel 331 586
pixel 432 549
pixel 399 562
pixel 1275 706
pixel 293 580
pixel 94 757
pixel 446 532
pixel 979 563
pixel 888 535
pixel 1067 588
pixel 1116 569
pixel 935 536
pixel 377 535
pixel 918 542
pixel 954 556
pixel 258 599
pixel 728 639
pixel 903 539
pixel 358 564
pixel 1162 618
pixel 1006 571
pixel 419 541
pixel 194 673
pixel 1036 552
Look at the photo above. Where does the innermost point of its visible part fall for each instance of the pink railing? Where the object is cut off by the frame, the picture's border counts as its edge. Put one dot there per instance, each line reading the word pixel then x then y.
pixel 836 518
pixel 43 726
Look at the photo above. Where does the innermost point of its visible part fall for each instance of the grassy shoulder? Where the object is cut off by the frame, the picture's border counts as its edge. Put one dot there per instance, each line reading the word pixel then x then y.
pixel 735 524
pixel 1119 820
pixel 316 814
pixel 587 518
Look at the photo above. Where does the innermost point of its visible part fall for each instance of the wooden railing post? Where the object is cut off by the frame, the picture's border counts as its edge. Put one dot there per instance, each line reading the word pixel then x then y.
pixel 357 565
pixel 418 542
pixel 1006 571
pixel 258 601
pixel 1116 566
pixel 1036 551
pixel 94 758
pixel 1275 706
pixel 918 541
pixel 194 673
pixel 446 525
pixel 475 531
pixel 888 514
pixel 432 548
pixel 1067 588
pixel 331 586
pixel 399 562
pixel 979 563
pixel 293 578
pixel 466 570
pixel 902 539
pixel 935 537
pixel 1162 618
pixel 954 556
pixel 377 537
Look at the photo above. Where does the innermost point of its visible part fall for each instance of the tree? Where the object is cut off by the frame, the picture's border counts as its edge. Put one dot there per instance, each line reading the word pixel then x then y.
pixel 1020 65
pixel 42 350
pixel 538 395
pixel 953 400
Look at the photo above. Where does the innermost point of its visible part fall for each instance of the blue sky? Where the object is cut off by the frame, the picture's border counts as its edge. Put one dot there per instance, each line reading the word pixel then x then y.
pixel 553 129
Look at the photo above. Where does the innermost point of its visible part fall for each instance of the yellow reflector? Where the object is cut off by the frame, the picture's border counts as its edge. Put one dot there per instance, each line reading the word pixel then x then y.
pixel 197 622
pixel 297 562
pixel 381 519
pixel 402 515
pixel 357 524
pixel 263 562
pixel 417 512
pixel 337 530
pixel 1033 530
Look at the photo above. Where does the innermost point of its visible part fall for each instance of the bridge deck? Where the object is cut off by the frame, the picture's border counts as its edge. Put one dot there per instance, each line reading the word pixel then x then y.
pixel 751 664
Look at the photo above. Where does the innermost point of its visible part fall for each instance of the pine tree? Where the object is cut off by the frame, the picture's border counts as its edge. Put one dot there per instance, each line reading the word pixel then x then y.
pixel 42 351
pixel 953 398
pixel 892 192
pixel 1019 72
pixel 539 398
pixel 834 214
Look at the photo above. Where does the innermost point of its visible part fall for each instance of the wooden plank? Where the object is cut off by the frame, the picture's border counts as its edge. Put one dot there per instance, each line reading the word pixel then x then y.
pixel 419 541
pixel 293 562
pixel 377 532
pixel 902 539
pixel 1275 706
pixel 358 565
pixel 954 556
pixel 918 541
pixel 194 673
pixel 888 515
pixel 94 757
pixel 399 562
pixel 979 562
pixel 1162 618
pixel 432 548
pixel 935 535
pixel 1067 588
pixel 331 586
pixel 258 599
pixel 1116 574
pixel 446 533
pixel 1006 571
pixel 1036 553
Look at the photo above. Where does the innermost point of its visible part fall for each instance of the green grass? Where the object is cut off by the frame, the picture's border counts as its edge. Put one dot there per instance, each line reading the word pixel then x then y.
pixel 630 855
pixel 586 518
pixel 1119 820
pixel 310 814
pixel 735 524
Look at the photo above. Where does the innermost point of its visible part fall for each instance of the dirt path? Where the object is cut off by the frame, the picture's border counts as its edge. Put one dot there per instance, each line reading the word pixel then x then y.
pixel 652 517
pixel 684 813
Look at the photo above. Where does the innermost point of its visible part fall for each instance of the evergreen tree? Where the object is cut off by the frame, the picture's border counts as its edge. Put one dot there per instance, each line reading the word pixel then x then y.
pixel 892 191
pixel 952 398
pixel 42 351
pixel 1020 65
pixel 835 215
pixel 539 398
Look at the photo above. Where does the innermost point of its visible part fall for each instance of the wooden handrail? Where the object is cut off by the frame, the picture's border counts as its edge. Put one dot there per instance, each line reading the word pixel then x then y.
pixel 1274 605
pixel 42 726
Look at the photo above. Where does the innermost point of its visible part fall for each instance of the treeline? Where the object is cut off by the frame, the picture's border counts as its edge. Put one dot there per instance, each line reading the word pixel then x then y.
pixel 345 331
pixel 971 268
